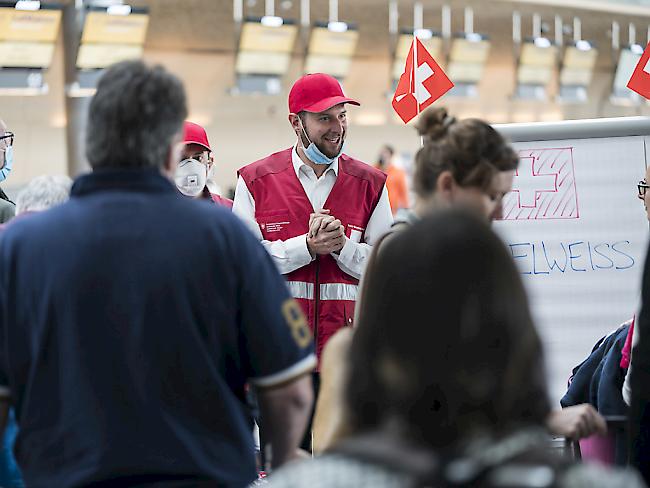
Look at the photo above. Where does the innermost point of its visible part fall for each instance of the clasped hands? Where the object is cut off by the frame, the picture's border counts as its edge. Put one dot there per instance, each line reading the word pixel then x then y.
pixel 326 234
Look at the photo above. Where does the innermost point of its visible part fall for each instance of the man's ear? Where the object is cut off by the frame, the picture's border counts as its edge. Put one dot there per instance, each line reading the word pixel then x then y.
pixel 294 120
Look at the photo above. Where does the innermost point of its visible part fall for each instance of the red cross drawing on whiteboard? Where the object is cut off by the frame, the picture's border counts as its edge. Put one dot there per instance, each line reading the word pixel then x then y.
pixel 529 184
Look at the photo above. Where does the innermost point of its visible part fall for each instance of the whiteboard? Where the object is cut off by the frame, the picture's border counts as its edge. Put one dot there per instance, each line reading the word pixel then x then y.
pixel 577 231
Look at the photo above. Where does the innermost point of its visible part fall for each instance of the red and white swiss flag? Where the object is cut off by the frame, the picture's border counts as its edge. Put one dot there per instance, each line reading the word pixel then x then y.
pixel 419 86
pixel 640 79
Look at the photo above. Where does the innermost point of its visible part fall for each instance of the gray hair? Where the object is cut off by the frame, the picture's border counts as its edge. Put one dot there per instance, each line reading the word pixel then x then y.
pixel 43 192
pixel 134 117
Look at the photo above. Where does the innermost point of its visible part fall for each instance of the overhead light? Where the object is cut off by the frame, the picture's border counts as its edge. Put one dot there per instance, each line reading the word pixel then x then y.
pixel 330 50
pixel 265 46
pixel 423 33
pixel 576 71
pixel 474 37
pixel 118 10
pixel 467 58
pixel 28 5
pixel 264 54
pixel 636 49
pixel 111 36
pixel 337 26
pixel 537 63
pixel 271 21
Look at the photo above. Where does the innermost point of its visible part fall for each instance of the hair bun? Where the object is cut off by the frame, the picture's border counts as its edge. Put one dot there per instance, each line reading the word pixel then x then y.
pixel 434 123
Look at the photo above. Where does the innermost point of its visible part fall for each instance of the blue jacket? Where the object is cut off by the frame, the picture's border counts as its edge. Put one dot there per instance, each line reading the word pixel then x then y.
pixel 599 378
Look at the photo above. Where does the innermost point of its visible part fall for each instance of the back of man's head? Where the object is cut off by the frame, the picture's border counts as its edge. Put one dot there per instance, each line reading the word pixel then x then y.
pixel 134 117
pixel 43 192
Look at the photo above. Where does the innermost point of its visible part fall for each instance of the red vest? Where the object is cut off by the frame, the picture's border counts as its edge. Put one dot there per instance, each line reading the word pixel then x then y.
pixel 326 293
pixel 219 200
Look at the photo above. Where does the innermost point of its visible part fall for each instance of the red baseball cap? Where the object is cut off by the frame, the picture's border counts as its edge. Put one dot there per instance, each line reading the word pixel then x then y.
pixel 195 134
pixel 316 93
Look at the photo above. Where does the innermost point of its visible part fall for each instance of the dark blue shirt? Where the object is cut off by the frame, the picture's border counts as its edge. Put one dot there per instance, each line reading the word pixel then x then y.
pixel 131 318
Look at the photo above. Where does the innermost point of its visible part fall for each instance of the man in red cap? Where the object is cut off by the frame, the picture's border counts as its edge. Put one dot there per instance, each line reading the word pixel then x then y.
pixel 316 210
pixel 192 172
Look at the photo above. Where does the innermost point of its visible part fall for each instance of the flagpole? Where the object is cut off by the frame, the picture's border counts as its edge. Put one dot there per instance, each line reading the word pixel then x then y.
pixel 415 78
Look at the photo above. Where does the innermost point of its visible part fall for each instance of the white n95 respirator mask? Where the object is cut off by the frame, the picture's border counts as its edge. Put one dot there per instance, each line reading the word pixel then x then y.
pixel 191 177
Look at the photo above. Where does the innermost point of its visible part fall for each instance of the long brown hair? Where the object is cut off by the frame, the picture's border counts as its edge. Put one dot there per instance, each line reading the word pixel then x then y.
pixel 445 341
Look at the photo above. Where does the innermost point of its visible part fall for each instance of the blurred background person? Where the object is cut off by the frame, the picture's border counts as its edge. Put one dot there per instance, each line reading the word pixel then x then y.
pixel 41 193
pixel 193 172
pixel 396 183
pixel 636 390
pixel 446 385
pixel 7 208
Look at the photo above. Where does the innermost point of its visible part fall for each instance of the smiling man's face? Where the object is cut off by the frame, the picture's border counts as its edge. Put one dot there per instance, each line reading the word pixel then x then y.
pixel 327 129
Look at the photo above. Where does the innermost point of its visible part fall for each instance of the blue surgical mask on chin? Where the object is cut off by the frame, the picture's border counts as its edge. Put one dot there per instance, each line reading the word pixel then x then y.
pixel 314 154
pixel 9 162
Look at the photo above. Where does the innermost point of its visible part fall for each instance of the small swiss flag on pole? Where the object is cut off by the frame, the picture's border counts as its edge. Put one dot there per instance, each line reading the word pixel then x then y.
pixel 640 80
pixel 421 84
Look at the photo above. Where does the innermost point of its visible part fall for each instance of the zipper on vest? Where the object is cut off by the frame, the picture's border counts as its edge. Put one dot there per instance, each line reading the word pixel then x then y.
pixel 316 301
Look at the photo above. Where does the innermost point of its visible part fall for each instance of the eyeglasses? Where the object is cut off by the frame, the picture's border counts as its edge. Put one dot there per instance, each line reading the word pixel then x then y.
pixel 201 157
pixel 8 137
pixel 642 186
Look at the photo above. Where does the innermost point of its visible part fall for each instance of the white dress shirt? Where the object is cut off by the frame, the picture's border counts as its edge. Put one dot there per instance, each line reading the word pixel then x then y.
pixel 293 253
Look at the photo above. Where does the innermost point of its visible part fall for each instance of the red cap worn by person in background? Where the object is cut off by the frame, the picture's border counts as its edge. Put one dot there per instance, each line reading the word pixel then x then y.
pixel 316 93
pixel 195 134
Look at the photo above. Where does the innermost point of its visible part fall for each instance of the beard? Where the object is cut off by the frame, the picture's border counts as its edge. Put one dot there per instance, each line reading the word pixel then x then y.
pixel 328 152
pixel 321 144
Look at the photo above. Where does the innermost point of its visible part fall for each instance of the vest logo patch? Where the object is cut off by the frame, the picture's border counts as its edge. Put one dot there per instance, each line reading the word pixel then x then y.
pixel 354 232
pixel 274 226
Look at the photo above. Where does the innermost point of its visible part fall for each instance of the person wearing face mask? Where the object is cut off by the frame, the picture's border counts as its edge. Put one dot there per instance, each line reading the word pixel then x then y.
pixel 7 208
pixel 191 176
pixel 316 210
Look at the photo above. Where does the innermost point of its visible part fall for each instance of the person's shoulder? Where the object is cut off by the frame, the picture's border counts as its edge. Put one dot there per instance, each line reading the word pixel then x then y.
pixel 38 222
pixel 355 167
pixel 211 212
pixel 596 476
pixel 272 163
